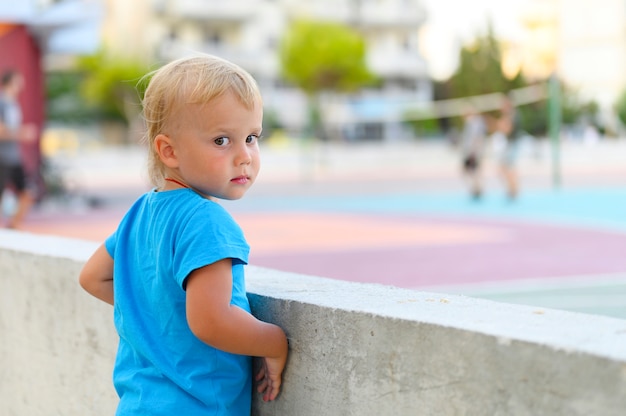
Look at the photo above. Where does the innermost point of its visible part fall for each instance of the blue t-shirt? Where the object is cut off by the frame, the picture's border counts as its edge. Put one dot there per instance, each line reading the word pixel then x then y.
pixel 161 368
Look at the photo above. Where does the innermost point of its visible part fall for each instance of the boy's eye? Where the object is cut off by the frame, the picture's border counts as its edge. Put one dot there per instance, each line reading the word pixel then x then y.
pixel 221 141
pixel 251 139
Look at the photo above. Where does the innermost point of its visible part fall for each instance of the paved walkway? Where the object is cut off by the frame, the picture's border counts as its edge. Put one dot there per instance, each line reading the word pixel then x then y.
pixel 398 214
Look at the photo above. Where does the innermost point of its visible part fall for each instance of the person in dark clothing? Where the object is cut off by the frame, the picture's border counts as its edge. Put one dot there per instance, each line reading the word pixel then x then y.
pixel 12 132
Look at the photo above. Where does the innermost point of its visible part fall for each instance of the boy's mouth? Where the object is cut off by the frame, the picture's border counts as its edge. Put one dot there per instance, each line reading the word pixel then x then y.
pixel 242 180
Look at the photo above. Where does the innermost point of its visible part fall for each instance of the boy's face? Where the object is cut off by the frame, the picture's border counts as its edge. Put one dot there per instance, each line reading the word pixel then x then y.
pixel 217 147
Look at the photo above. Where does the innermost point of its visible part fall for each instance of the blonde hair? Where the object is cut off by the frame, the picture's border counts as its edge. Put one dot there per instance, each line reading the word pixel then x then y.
pixel 191 80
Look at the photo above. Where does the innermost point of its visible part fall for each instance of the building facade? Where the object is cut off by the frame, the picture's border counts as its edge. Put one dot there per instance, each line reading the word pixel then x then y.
pixel 249 32
pixel 583 44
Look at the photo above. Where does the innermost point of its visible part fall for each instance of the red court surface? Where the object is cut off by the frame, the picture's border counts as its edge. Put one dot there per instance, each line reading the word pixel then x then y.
pixel 419 251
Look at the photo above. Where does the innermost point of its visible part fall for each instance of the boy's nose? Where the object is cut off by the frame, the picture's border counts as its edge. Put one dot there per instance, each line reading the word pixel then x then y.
pixel 244 157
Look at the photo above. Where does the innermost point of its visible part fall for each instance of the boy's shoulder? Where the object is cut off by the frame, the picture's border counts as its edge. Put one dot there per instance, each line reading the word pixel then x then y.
pixel 185 205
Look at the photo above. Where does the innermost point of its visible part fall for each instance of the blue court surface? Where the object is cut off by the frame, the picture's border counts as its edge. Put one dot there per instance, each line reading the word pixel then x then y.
pixel 595 207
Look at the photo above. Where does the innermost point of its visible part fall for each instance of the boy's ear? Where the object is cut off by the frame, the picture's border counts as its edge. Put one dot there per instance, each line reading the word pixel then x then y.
pixel 164 148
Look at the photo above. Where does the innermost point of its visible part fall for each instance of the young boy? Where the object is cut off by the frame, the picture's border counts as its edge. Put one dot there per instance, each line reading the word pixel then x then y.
pixel 173 270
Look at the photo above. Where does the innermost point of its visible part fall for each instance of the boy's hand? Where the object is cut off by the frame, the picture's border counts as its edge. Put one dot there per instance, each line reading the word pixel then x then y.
pixel 270 377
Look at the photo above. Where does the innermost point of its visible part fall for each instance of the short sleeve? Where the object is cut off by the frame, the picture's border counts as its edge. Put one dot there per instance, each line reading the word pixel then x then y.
pixel 110 244
pixel 209 236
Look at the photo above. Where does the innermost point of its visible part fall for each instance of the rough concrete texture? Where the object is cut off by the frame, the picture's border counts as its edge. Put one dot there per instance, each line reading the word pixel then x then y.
pixel 367 349
pixel 356 349
pixel 57 345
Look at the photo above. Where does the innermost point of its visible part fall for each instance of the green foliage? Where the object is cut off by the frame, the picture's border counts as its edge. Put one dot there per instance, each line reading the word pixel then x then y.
pixel 620 107
pixel 63 100
pixel 571 106
pixel 271 123
pixel 480 70
pixel 534 118
pixel 318 56
pixel 321 56
pixel 423 124
pixel 111 86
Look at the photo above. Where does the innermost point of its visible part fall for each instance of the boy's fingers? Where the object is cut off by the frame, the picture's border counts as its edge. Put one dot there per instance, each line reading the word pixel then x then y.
pixel 271 393
pixel 262 387
pixel 273 390
pixel 261 373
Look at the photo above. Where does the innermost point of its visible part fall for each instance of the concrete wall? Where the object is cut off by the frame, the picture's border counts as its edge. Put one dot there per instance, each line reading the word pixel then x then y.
pixel 355 349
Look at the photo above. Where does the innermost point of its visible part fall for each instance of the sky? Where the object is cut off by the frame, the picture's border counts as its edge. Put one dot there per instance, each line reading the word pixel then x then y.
pixel 451 23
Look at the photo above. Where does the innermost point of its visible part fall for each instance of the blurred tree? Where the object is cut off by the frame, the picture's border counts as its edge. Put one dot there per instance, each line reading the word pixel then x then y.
pixel 534 116
pixel 64 102
pixel 111 86
pixel 620 107
pixel 480 70
pixel 320 56
pixel 424 125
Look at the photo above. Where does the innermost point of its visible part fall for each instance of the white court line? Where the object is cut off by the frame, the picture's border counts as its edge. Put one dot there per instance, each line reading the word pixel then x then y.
pixel 575 293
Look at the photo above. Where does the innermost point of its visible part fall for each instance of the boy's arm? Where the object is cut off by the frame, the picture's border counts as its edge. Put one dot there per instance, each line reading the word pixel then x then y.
pixel 96 277
pixel 229 328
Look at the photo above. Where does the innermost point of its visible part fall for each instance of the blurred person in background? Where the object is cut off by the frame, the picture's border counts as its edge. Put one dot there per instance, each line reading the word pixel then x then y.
pixel 508 130
pixel 12 132
pixel 472 149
